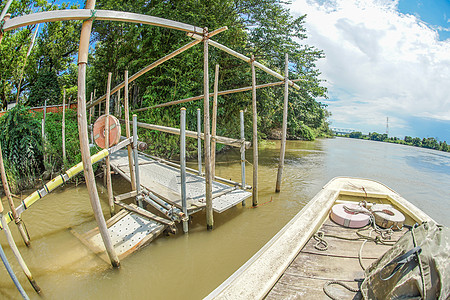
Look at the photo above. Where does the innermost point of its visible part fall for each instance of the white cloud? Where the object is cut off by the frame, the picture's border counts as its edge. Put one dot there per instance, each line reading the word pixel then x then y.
pixel 378 62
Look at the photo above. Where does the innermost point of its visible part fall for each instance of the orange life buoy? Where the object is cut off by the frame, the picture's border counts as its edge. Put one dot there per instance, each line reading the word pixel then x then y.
pixel 99 131
pixel 387 217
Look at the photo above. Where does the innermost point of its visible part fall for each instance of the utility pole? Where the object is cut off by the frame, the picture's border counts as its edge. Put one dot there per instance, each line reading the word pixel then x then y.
pixel 387 126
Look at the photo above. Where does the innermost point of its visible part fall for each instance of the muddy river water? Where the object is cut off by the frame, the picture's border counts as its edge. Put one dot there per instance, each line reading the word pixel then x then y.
pixel 189 266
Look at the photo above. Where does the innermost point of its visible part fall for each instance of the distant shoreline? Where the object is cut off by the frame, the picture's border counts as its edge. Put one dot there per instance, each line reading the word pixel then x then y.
pixel 428 143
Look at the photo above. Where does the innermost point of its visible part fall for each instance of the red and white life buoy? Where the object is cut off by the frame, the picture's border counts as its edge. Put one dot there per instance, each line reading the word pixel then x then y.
pixel 350 215
pixel 387 217
pixel 114 131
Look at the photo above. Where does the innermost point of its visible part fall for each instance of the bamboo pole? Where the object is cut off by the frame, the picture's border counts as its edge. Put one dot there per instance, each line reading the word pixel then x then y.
pixel 136 162
pixel 221 93
pixel 255 136
pixel 183 166
pixel 83 134
pixel 246 59
pixel 192 134
pixel 91 127
pixel 14 213
pixel 158 62
pixel 63 133
pixel 127 131
pixel 101 15
pixel 284 130
pixel 5 9
pixel 241 118
pixel 25 62
pixel 208 174
pixel 107 159
pixel 16 252
pixel 199 141
pixel 118 103
pixel 214 122
pixel 11 272
pixel 4 17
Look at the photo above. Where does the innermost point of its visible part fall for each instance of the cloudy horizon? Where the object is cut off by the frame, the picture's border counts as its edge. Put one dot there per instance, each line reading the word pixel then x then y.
pixel 383 59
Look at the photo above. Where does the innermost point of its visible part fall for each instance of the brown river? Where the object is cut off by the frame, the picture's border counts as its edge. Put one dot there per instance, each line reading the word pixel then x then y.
pixel 189 266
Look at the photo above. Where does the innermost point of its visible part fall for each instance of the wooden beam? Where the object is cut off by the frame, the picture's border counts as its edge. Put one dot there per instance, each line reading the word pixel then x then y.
pixel 63 128
pixel 14 213
pixel 193 134
pixel 206 128
pixel 246 59
pixel 255 137
pixel 214 122
pixel 221 93
pixel 128 133
pixel 107 159
pixel 99 15
pixel 284 128
pixel 157 63
pixel 84 142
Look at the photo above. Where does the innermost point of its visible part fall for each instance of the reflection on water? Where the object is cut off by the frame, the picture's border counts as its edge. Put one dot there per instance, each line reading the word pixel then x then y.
pixel 190 266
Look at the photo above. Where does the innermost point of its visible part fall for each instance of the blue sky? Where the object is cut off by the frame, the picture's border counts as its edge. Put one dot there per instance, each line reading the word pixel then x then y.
pixel 384 58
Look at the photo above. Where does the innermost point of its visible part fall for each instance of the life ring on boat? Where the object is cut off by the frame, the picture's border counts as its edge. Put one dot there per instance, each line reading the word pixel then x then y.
pixel 387 217
pixel 350 215
pixel 114 131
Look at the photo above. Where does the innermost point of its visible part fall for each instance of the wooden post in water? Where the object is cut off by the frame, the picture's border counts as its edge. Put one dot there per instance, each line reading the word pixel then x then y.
pixel 43 131
pixel 118 104
pixel 10 270
pixel 183 166
pixel 214 122
pixel 14 213
pixel 136 163
pixel 208 174
pixel 14 249
pixel 241 117
pixel 199 141
pixel 91 127
pixel 63 133
pixel 284 130
pixel 107 159
pixel 128 134
pixel 255 136
pixel 83 134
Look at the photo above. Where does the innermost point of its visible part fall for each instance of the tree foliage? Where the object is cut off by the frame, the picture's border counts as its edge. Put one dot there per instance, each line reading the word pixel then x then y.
pixel 263 28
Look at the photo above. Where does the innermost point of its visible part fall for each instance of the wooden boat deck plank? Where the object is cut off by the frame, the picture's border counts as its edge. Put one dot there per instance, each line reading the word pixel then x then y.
pixel 297 287
pixel 165 182
pixel 312 268
pixel 347 247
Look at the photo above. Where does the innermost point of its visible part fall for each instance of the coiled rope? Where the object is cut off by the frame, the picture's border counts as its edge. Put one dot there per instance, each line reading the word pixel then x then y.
pixel 328 293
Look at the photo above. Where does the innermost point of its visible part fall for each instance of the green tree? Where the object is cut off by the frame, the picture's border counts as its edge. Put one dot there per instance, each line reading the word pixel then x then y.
pixel 20 135
pixel 355 135
pixel 46 88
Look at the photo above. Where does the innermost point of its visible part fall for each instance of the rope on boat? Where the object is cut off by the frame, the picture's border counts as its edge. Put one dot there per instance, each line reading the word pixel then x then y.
pixel 328 293
pixel 318 236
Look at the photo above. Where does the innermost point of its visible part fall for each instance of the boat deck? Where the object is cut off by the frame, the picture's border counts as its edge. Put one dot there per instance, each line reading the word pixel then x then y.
pixel 165 181
pixel 313 268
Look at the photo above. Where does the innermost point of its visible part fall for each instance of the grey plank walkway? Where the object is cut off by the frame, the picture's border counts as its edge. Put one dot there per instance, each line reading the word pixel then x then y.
pixel 165 182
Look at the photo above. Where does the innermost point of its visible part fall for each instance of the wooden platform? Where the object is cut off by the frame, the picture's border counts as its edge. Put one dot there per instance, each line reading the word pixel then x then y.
pixel 128 232
pixel 312 268
pixel 165 182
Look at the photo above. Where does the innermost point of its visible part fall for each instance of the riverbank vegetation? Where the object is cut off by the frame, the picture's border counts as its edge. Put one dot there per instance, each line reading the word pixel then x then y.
pixel 30 158
pixel 264 28
pixel 430 142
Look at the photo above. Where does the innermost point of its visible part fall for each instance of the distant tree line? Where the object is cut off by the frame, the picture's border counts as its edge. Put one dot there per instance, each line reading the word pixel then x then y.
pixel 430 143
